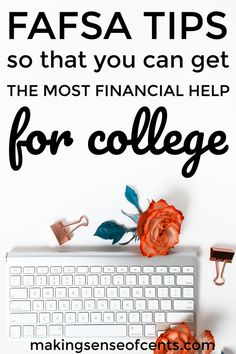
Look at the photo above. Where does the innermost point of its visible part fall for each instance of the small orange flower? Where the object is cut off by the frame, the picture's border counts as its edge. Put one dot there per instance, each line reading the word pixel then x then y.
pixel 159 228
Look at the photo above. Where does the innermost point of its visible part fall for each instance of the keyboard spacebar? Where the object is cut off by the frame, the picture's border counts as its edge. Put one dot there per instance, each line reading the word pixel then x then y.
pixel 77 331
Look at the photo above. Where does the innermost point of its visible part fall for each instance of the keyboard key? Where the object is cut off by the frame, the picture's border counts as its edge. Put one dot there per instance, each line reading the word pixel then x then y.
pixel 80 280
pixel 57 317
pixel 79 331
pixel 83 270
pixel 187 292
pixel 165 304
pixel 156 280
pixel 64 305
pixel 73 292
pixel 159 317
pixel 174 269
pixel 118 280
pixel 76 305
pixel 20 306
pixel 41 331
pixel 96 270
pixel 148 269
pixel 67 280
pixel 162 292
pixel 102 304
pixel 143 280
pixel 137 292
pixel 55 331
pixel 42 270
pixel 109 269
pixel 183 305
pixel 56 270
pixel 130 280
pixel 99 292
pixel 187 269
pixel 92 280
pixel 153 305
pixel 83 317
pixel 29 270
pixel 15 280
pixel 86 292
pixel 184 280
pixel 23 318
pixel 15 270
pixel 70 317
pixel 89 305
pixel 35 293
pixel 146 317
pixel 15 332
pixel 169 280
pixel 69 269
pixel 28 280
pixel 135 269
pixel 140 305
pixel 105 280
pixel 179 317
pixel 61 293
pixel 134 317
pixel 150 292
pixel 54 280
pixel 41 280
pixel 96 317
pixel 108 317
pixel 18 293
pixel 48 293
pixel 150 331
pixel 112 292
pixel 128 305
pixel 38 305
pixel 44 318
pixel 121 317
pixel 124 292
pixel 161 269
pixel 175 292
pixel 115 305
pixel 28 331
pixel 51 305
pixel 123 269
pixel 135 330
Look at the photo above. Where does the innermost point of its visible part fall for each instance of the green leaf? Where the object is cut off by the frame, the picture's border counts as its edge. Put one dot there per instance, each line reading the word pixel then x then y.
pixel 132 197
pixel 110 230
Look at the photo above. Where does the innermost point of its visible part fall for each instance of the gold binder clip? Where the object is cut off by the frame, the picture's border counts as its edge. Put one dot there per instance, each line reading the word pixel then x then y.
pixel 221 255
pixel 62 232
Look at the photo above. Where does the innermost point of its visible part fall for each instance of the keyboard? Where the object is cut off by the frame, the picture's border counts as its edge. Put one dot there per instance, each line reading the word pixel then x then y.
pixel 78 295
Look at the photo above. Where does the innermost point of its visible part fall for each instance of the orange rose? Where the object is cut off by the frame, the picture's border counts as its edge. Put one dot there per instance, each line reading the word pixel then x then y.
pixel 179 340
pixel 159 228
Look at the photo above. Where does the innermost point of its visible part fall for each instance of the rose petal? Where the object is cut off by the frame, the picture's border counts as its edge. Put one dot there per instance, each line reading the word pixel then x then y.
pixel 145 250
pixel 161 204
pixel 207 337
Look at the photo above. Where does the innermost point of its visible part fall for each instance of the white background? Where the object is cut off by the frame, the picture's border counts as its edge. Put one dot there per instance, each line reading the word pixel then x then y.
pixel 76 182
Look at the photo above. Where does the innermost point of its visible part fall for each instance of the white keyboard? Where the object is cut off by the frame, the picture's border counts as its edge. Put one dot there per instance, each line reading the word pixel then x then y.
pixel 83 295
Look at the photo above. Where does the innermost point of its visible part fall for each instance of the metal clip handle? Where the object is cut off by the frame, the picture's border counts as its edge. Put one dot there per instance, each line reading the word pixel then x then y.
pixel 78 223
pixel 219 279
